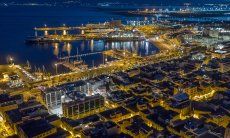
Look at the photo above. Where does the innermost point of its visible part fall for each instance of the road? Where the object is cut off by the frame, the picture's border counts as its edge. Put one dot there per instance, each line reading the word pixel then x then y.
pixel 112 67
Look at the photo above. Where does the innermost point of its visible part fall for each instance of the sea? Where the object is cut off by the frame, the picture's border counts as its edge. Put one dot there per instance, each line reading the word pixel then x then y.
pixel 18 22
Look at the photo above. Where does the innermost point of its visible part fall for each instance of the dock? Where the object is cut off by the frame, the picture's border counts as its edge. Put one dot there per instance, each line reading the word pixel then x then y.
pixel 75 66
pixel 64 33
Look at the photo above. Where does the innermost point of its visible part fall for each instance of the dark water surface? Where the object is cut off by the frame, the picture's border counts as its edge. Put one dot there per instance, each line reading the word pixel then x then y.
pixel 17 22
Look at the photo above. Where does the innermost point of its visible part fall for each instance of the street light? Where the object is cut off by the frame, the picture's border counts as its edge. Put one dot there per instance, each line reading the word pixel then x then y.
pixel 56 67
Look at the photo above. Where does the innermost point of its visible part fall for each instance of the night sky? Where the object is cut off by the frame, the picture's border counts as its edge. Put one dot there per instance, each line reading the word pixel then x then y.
pixel 157 2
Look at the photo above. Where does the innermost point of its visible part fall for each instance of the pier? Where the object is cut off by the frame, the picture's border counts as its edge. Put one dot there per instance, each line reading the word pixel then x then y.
pixel 64 33
pixel 75 66
pixel 64 29
pixel 78 56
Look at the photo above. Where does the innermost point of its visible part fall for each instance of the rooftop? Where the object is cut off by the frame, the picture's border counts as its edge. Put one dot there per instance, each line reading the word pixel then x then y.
pixel 35 127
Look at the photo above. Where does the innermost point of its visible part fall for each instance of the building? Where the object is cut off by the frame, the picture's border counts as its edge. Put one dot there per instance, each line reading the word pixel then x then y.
pixel 31 120
pixel 74 126
pixel 80 86
pixel 8 102
pixel 136 127
pixel 52 97
pixel 96 83
pixel 101 129
pixel 191 90
pixel 81 104
pixel 179 99
pixel 36 129
pixel 116 114
pixel 13 118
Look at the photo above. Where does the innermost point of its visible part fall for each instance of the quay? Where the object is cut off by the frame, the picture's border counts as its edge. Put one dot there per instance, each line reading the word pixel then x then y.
pixel 71 38
pixel 106 32
pixel 53 39
pixel 75 66
pixel 78 56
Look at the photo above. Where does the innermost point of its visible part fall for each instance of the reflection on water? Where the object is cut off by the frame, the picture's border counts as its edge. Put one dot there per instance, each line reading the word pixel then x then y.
pixel 94 47
pixel 142 48
pixel 56 49
pixel 68 48
pixel 91 45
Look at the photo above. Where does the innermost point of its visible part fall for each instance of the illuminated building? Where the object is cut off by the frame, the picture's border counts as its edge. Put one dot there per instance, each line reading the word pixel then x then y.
pixel 81 104
pixel 52 97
